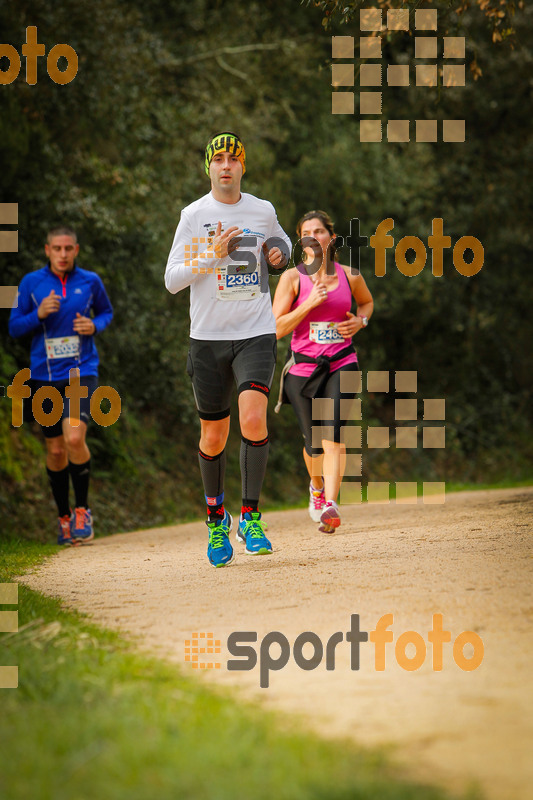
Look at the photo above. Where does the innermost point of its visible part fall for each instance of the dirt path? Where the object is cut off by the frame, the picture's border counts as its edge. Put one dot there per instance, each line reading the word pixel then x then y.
pixel 469 560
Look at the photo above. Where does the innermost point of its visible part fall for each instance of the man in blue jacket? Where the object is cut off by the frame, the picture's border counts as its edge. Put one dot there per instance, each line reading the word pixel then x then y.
pixel 63 306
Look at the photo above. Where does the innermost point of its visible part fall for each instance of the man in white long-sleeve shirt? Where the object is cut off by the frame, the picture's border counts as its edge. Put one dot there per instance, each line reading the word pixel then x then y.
pixel 223 246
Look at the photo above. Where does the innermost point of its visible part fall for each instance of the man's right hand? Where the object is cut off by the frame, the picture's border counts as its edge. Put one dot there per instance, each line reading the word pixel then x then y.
pixel 49 305
pixel 227 241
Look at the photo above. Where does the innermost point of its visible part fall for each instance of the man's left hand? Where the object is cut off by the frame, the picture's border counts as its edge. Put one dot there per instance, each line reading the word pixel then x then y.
pixel 83 325
pixel 274 257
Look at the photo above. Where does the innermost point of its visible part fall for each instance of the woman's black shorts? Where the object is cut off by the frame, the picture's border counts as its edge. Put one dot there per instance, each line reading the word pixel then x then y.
pixel 303 406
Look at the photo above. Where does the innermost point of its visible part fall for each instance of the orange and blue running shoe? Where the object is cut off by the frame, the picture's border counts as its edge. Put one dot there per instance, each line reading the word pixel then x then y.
pixel 82 525
pixel 64 525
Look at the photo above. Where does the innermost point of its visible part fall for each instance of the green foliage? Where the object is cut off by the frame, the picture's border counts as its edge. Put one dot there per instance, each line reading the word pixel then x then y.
pixel 499 14
pixel 118 152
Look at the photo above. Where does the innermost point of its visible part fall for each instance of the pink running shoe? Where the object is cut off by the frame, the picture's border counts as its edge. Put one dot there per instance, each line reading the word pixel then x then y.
pixel 330 518
pixel 317 501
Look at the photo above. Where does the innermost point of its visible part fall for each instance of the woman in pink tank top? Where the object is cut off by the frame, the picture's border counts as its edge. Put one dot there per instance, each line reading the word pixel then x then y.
pixel 313 301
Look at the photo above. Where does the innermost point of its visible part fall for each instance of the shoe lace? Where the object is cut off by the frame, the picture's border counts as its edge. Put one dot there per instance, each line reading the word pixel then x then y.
pixel 65 525
pixel 255 527
pixel 81 514
pixel 319 500
pixel 217 534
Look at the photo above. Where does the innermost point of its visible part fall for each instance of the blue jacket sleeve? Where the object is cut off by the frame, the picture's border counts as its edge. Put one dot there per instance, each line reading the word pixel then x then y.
pixel 24 319
pixel 103 310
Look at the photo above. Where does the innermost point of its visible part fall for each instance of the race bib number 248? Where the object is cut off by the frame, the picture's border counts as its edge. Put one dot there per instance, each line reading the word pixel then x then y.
pixel 324 332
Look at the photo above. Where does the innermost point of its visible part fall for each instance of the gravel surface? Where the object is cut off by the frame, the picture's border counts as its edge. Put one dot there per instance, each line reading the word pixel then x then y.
pixel 469 560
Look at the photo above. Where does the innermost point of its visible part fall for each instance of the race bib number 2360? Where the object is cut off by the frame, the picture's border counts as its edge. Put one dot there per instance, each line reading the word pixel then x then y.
pixel 238 286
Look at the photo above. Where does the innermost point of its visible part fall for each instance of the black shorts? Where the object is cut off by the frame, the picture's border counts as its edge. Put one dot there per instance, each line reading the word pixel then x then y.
pixel 303 406
pixel 50 431
pixel 214 366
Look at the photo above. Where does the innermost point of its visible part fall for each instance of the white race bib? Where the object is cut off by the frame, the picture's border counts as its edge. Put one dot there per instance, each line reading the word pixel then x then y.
pixel 324 333
pixel 63 347
pixel 241 286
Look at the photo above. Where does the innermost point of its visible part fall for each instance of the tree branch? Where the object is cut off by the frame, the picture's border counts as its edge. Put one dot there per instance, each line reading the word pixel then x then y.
pixel 285 44
pixel 221 63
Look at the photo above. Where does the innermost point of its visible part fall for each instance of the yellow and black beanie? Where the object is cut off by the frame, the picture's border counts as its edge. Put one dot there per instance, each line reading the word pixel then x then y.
pixel 225 142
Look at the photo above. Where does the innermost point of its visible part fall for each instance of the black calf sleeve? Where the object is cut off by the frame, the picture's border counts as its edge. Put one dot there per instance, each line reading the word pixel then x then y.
pixel 59 483
pixel 254 457
pixel 213 469
pixel 80 474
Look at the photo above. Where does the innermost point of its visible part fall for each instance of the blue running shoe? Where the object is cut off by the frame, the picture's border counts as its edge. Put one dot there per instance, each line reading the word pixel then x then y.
pixel 251 530
pixel 64 525
pixel 240 534
pixel 219 549
pixel 82 525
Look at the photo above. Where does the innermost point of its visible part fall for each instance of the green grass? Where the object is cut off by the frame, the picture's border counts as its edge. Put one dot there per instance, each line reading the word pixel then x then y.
pixel 504 484
pixel 93 719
